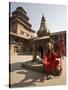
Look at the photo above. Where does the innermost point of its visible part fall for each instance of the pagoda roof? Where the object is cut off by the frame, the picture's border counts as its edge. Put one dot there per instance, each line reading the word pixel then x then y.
pixel 17 35
pixel 22 19
pixel 20 12
pixel 21 9
pixel 16 19
pixel 17 13
pixel 42 38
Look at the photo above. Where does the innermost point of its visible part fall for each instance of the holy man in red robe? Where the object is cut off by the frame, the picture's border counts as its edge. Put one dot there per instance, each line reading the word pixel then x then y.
pixel 50 63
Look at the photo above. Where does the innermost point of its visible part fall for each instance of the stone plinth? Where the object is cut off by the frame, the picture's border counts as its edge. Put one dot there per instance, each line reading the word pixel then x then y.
pixel 37 66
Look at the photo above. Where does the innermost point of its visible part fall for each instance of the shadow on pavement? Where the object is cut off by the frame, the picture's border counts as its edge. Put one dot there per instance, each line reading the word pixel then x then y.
pixel 30 79
pixel 15 66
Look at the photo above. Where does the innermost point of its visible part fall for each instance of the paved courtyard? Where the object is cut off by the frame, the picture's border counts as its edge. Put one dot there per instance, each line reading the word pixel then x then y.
pixel 22 77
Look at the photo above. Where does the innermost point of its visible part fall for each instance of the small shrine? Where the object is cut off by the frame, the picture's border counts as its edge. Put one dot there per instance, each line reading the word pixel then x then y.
pixel 43 37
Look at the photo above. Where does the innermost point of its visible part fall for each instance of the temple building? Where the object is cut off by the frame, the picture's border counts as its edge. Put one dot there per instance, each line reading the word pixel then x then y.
pixel 20 32
pixel 22 37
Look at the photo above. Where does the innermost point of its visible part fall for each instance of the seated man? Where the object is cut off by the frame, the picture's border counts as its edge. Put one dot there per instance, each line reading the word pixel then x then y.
pixel 49 62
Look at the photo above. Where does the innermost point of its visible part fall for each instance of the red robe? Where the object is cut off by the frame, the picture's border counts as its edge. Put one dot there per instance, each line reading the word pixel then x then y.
pixel 50 62
pixel 61 46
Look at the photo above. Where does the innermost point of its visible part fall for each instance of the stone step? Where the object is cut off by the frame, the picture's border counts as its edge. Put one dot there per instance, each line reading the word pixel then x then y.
pixel 33 66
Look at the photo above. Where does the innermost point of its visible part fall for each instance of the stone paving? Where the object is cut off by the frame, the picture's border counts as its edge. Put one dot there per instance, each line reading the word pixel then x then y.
pixel 22 77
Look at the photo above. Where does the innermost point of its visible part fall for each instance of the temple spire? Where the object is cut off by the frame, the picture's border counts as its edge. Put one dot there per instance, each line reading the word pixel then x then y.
pixel 43 30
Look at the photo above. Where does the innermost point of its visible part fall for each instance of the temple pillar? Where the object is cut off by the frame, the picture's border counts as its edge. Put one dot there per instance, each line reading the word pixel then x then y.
pixel 13 49
pixel 34 52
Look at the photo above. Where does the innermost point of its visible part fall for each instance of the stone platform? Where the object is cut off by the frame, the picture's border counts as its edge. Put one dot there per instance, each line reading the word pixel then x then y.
pixel 37 66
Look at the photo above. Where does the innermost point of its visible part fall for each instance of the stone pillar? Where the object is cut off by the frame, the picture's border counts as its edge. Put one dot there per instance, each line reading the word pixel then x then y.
pixel 34 52
pixel 12 49
pixel 19 49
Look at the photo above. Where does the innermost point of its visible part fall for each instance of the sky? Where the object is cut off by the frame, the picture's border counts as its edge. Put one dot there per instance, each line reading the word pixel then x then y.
pixel 55 15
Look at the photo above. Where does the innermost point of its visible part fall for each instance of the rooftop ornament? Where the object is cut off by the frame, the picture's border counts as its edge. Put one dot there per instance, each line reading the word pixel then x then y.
pixel 43 30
